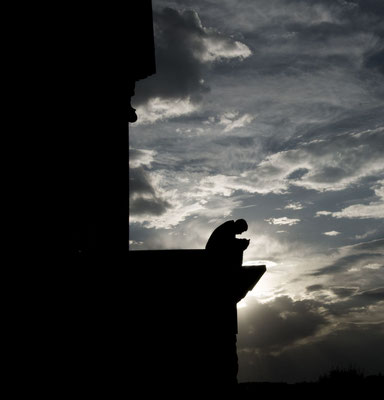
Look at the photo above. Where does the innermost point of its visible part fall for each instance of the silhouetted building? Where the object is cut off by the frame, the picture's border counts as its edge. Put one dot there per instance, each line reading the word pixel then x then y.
pixel 141 49
pixel 185 328
pixel 90 55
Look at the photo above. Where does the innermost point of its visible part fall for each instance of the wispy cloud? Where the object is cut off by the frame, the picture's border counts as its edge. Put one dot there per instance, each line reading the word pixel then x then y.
pixel 353 258
pixel 217 47
pixel 331 233
pixel 232 120
pixel 374 209
pixel 323 213
pixel 283 221
pixel 157 109
pixel 294 206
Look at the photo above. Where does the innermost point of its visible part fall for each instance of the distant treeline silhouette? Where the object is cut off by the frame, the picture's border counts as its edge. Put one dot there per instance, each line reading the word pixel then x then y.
pixel 340 375
pixel 341 381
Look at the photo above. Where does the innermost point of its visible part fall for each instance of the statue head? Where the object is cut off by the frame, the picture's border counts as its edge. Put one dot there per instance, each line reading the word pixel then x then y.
pixel 241 226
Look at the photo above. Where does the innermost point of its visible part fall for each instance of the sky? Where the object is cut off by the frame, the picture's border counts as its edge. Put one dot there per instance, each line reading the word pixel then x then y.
pixel 272 111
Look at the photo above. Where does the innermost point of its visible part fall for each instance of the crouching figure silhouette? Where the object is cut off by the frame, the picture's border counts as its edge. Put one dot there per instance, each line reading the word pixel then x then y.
pixel 223 244
pixel 225 252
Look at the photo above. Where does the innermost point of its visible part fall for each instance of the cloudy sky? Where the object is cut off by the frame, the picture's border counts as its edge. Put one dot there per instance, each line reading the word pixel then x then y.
pixel 272 111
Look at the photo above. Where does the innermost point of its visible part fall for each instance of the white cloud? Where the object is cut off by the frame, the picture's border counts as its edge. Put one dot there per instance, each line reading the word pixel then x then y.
pixel 331 233
pixel 320 213
pixel 217 48
pixel 374 266
pixel 372 210
pixel 138 157
pixel 231 120
pixel 283 221
pixel 228 117
pixel 267 263
pixel 157 109
pixel 134 242
pixel 294 206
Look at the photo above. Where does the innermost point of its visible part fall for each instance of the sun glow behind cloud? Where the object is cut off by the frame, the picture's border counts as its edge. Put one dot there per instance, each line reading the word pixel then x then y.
pixel 265 288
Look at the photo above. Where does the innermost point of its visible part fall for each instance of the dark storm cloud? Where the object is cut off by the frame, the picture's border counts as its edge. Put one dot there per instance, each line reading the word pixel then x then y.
pixel 314 288
pixel 280 340
pixel 282 322
pixel 373 7
pixel 372 295
pixel 179 69
pixel 272 326
pixel 376 61
pixel 147 206
pixel 343 291
pixel 184 50
pixel 374 245
pixel 143 199
pixel 297 174
pixel 374 10
pixel 142 196
pixel 329 174
pixel 139 182
pixel 354 344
